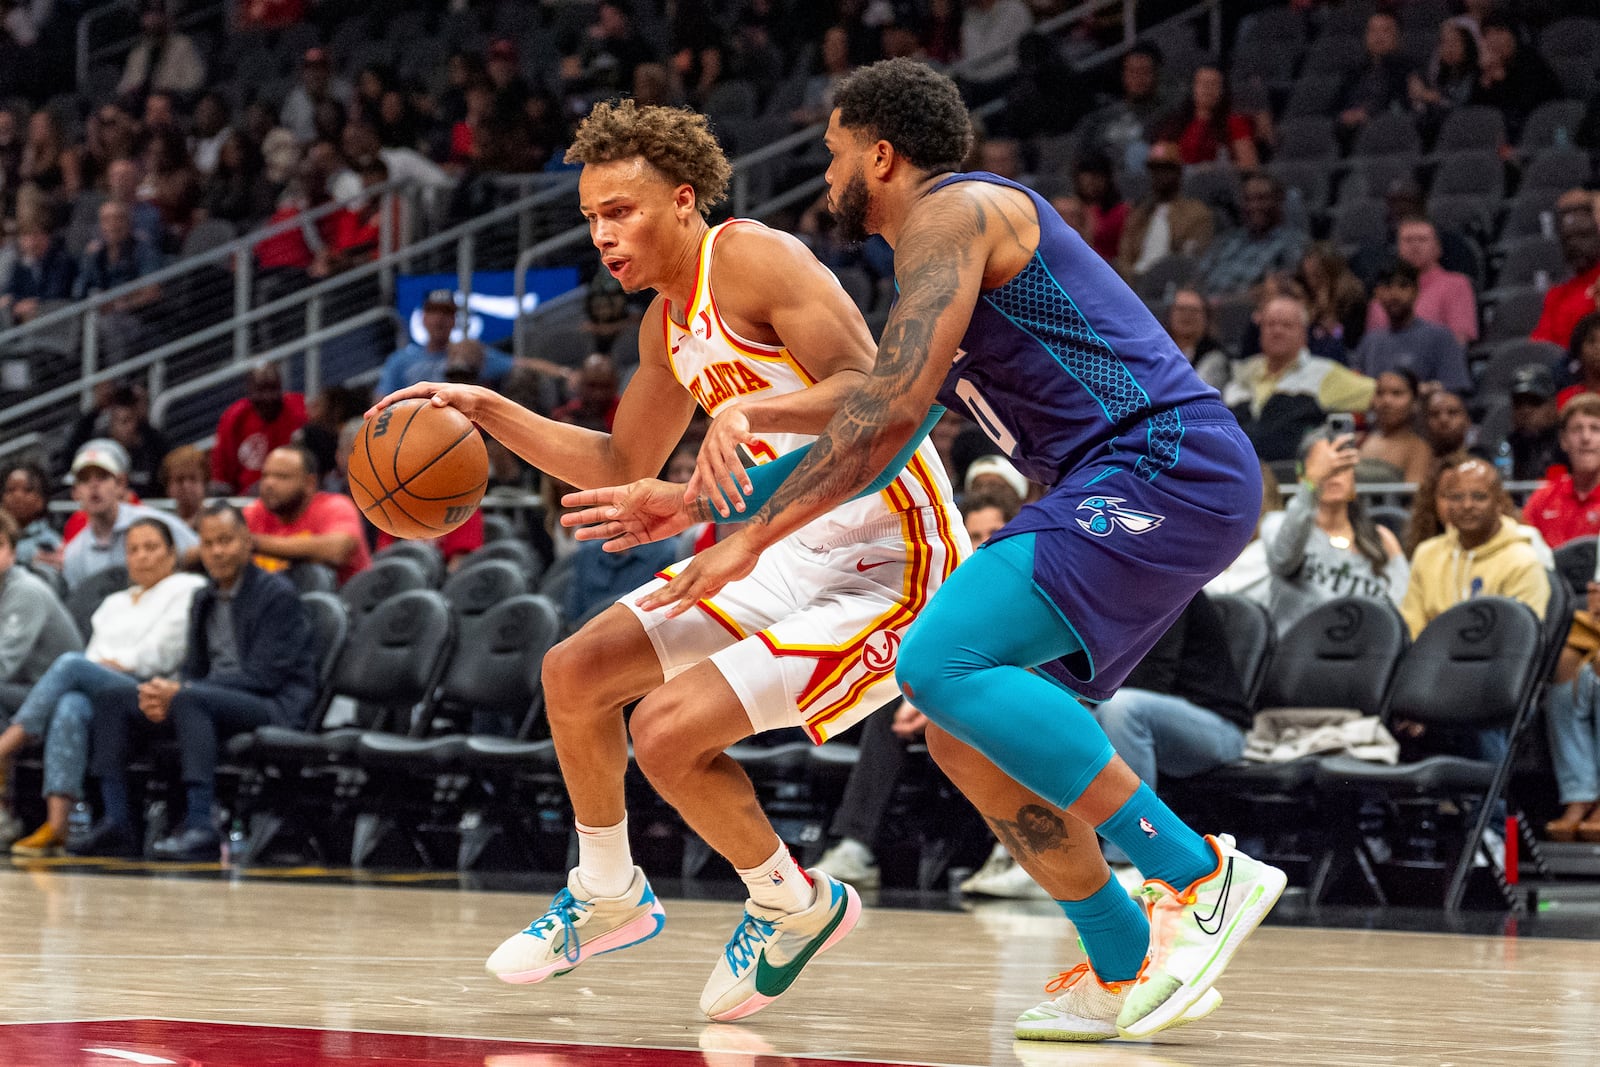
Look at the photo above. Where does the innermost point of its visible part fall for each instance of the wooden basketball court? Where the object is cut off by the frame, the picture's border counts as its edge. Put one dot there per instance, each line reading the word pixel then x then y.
pixel 319 973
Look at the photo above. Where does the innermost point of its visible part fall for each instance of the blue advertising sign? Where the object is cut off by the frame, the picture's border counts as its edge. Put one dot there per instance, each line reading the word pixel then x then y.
pixel 491 309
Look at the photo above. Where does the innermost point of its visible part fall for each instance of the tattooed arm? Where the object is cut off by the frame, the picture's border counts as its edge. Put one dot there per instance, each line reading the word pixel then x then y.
pixel 939 264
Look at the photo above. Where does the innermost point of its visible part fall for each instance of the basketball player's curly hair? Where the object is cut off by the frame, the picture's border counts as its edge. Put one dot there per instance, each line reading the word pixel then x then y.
pixel 913 107
pixel 675 141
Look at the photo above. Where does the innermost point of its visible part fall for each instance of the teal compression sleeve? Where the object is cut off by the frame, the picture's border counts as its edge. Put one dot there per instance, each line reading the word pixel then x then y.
pixel 766 477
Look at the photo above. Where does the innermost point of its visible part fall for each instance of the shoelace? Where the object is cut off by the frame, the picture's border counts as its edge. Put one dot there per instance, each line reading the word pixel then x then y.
pixel 1069 978
pixel 746 941
pixel 562 910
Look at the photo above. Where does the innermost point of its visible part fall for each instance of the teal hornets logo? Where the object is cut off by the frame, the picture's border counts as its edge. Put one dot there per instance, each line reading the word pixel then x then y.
pixel 1106 514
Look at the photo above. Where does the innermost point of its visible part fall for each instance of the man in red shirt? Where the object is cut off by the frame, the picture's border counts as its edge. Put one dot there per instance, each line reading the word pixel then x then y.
pixel 1570 301
pixel 264 419
pixel 595 406
pixel 293 522
pixel 1568 505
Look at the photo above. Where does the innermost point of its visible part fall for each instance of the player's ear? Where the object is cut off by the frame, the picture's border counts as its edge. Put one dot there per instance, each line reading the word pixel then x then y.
pixel 883 159
pixel 684 202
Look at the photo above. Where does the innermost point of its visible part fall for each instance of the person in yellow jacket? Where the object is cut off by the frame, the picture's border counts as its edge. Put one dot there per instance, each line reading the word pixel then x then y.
pixel 1481 552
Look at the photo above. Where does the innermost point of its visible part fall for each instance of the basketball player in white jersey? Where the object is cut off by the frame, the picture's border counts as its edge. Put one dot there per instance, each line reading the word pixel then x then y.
pixel 748 325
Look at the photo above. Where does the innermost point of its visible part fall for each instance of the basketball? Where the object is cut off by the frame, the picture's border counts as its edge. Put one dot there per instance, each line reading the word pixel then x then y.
pixel 418 471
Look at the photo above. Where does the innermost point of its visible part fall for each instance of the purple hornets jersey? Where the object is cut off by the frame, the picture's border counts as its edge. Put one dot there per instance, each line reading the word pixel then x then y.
pixel 1064 358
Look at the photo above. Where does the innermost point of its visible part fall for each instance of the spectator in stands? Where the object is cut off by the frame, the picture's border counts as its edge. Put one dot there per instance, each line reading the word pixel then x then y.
pixel 1283 393
pixel 1165 222
pixel 1336 300
pixel 294 521
pixel 1447 423
pixel 251 427
pixel 360 144
pixel 990 33
pixel 1393 438
pixel 1403 200
pixel 858 822
pixel 124 179
pixel 326 416
pixel 317 85
pixel 357 228
pixel 1096 188
pixel 505 74
pixel 1444 297
pixel 250 661
pixel 184 472
pixel 1512 77
pixel 10 160
pixel 475 363
pixel 162 59
pixel 993 476
pixel 414 362
pixel 237 189
pixel 1535 437
pixel 136 633
pixel 1324 545
pixel 1189 326
pixel 209 131
pixel 1450 79
pixel 111 133
pixel 1572 299
pixel 1120 129
pixel 1242 256
pixel 99 483
pixel 175 187
pixel 35 628
pixel 126 424
pixel 49 164
pixel 595 406
pixel 1205 127
pixel 601 63
pixel 1382 81
pixel 1480 553
pixel 115 258
pixel 1568 505
pixel 43 272
pixel 817 102
pixel 25 496
pixel 1429 351
pixel 1583 355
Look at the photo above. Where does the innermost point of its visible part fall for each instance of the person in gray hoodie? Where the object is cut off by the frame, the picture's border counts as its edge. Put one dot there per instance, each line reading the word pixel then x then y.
pixel 35 628
pixel 1323 545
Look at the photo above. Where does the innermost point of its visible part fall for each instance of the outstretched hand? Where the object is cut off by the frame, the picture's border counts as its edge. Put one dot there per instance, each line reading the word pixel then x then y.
pixel 719 472
pixel 703 577
pixel 626 516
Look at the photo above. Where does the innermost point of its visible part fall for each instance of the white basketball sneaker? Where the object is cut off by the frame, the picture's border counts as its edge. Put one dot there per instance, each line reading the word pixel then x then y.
pixel 1194 932
pixel 1087 1008
pixel 770 948
pixel 575 927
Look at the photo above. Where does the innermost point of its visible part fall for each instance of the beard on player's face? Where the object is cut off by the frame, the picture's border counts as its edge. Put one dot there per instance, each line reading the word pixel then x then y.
pixel 849 209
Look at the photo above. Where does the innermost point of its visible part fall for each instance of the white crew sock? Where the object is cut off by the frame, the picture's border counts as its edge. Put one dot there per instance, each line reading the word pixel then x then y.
pixel 779 884
pixel 605 862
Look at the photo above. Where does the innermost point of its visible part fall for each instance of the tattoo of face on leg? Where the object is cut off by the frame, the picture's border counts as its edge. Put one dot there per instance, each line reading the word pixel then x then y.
pixel 1036 829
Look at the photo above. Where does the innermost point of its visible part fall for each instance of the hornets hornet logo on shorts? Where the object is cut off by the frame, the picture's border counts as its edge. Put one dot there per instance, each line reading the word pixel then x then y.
pixel 1107 514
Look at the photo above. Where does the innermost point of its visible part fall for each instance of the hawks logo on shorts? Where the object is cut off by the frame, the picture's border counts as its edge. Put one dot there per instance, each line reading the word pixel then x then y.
pixel 881 651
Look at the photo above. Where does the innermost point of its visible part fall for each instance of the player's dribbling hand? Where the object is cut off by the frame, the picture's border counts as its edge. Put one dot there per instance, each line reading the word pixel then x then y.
pixel 703 578
pixel 625 516
pixel 464 398
pixel 719 472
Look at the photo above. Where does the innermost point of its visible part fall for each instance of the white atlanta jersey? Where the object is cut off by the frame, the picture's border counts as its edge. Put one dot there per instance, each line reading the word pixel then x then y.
pixel 811 637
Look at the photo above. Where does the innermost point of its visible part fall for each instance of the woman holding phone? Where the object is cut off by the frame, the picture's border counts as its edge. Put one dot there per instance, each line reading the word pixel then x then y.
pixel 1323 544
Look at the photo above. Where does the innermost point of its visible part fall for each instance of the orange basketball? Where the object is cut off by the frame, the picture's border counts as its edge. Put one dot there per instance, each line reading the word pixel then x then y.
pixel 417 470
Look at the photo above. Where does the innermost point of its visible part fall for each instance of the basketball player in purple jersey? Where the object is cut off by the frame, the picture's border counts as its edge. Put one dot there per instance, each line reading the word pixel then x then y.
pixel 1006 314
